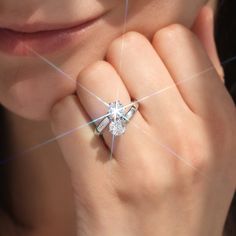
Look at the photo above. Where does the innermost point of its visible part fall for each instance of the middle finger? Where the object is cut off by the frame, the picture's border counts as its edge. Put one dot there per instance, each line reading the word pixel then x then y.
pixel 146 77
pixel 101 79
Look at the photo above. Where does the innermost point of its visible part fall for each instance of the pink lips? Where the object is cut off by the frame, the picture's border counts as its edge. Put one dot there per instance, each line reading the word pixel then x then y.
pixel 18 43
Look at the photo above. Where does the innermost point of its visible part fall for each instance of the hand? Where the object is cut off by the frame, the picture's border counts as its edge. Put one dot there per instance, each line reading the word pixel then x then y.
pixel 173 171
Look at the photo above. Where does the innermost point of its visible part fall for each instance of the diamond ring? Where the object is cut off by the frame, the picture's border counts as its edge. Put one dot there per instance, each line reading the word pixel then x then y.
pixel 116 118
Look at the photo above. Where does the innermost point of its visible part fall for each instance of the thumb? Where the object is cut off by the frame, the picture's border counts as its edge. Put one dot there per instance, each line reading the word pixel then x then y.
pixel 204 29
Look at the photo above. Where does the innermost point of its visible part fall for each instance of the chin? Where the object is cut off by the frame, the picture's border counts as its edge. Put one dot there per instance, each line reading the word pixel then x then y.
pixel 34 99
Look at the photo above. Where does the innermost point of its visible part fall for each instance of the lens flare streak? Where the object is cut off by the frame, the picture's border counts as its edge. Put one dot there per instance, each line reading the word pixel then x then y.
pixel 168 149
pixel 67 76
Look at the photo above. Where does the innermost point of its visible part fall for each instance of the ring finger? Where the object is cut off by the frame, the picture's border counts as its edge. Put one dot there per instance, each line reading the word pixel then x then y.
pixel 106 86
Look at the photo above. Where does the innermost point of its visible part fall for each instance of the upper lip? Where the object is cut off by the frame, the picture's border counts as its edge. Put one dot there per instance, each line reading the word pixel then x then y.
pixel 44 27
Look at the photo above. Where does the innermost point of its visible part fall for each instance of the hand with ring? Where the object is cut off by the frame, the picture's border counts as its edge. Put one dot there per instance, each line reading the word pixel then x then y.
pixel 166 167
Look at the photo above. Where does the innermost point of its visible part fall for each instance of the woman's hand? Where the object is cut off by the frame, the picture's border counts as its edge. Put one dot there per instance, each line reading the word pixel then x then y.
pixel 173 171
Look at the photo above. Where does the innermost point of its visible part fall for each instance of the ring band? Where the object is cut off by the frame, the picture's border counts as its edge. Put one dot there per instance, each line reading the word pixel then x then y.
pixel 130 114
pixel 117 119
pixel 102 125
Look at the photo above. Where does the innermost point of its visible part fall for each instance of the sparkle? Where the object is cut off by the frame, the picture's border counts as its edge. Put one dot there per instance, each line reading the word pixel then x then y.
pixel 116 110
pixel 116 113
pixel 117 127
pixel 157 93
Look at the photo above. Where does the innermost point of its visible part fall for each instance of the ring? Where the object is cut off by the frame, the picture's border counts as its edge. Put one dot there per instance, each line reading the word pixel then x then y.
pixel 116 118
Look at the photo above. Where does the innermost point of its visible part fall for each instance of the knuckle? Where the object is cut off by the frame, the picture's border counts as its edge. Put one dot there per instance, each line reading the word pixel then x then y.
pixel 197 153
pixel 132 39
pixel 177 28
pixel 193 154
pixel 154 186
pixel 91 71
pixel 170 32
pixel 144 184
pixel 196 160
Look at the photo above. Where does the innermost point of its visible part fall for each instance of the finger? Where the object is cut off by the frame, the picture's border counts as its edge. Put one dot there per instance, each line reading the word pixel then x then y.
pixel 204 29
pixel 101 79
pixel 145 77
pixel 74 133
pixel 191 69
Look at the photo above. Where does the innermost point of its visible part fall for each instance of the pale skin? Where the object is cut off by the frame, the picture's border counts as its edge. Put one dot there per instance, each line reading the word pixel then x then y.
pixel 144 189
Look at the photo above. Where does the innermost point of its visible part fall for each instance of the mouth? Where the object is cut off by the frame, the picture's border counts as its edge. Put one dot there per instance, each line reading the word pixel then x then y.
pixel 42 38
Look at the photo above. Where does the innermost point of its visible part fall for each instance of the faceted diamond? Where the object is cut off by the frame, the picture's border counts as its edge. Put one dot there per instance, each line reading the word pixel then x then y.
pixel 117 127
pixel 116 110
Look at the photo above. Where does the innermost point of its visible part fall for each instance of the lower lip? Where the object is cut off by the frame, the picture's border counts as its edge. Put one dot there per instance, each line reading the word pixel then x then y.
pixel 24 44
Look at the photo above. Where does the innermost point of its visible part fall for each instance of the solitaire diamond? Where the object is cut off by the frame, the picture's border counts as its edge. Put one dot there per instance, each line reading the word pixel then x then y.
pixel 117 118
pixel 116 110
pixel 117 113
pixel 117 127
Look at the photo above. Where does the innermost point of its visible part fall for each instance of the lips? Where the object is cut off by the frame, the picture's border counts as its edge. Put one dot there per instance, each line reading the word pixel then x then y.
pixel 18 41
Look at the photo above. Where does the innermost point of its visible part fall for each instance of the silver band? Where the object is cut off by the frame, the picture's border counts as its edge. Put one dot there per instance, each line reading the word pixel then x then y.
pixel 124 120
pixel 102 125
pixel 130 114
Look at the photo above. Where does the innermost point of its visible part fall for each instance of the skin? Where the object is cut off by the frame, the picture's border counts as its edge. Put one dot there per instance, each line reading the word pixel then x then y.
pixel 23 85
pixel 100 196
